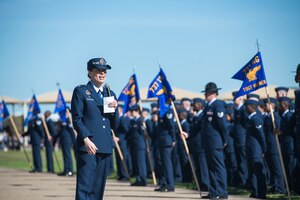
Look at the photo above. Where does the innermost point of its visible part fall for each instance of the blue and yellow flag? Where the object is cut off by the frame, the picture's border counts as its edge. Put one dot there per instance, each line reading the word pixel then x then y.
pixel 3 114
pixel 161 89
pixel 130 93
pixel 61 106
pixel 33 110
pixel 252 75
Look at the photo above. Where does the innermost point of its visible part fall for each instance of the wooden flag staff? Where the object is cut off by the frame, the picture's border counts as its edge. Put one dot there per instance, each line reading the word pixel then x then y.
pixel 278 144
pixel 148 147
pixel 117 144
pixel 49 139
pixel 276 136
pixel 19 139
pixel 121 156
pixel 186 148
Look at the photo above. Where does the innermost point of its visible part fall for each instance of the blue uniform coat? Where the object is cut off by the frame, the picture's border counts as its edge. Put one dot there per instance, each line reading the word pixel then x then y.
pixel 89 119
pixel 215 131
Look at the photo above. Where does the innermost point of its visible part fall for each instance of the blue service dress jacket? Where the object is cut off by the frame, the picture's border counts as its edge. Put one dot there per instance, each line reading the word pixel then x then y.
pixel 123 128
pixel 230 143
pixel 166 130
pixel 268 129
pixel 89 119
pixel 256 143
pixel 66 133
pixel 186 127
pixel 137 134
pixel 288 135
pixel 51 128
pixel 35 130
pixel 240 122
pixel 215 126
pixel 196 133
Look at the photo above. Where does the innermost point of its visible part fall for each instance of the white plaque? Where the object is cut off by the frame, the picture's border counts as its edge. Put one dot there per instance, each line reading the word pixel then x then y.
pixel 106 101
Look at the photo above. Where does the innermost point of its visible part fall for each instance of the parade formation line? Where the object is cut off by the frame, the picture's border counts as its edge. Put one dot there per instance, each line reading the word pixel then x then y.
pixel 22 185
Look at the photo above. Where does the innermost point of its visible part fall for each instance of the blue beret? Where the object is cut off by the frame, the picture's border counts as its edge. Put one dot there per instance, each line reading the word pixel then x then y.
pixel 261 103
pixel 199 100
pixel 252 96
pixel 282 88
pixel 286 99
pixel 272 100
pixel 146 109
pixel 182 111
pixel 156 112
pixel 134 108
pixel 251 102
pixel 97 63
pixel 153 105
pixel 185 99
pixel 234 93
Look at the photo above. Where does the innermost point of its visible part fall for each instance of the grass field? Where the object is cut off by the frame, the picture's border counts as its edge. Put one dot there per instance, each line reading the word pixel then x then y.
pixel 17 160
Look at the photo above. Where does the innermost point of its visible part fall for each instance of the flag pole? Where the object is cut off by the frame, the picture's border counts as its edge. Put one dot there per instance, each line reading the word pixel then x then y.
pixel 121 156
pixel 257 45
pixel 117 144
pixel 186 148
pixel 22 144
pixel 158 63
pixel 276 136
pixel 68 113
pixel 278 144
pixel 148 147
pixel 47 133
pixel 49 139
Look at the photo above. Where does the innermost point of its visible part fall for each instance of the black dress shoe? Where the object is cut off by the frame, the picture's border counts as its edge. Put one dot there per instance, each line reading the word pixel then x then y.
pixel 206 197
pixel 221 197
pixel 69 174
pixel 138 184
pixel 169 190
pixel 159 189
pixel 66 174
pixel 123 179
pixel 276 191
pixel 258 196
pixel 252 195
pixel 262 197
pixel 164 189
pixel 35 171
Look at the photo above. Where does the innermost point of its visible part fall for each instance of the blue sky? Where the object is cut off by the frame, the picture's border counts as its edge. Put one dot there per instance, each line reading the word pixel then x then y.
pixel 49 41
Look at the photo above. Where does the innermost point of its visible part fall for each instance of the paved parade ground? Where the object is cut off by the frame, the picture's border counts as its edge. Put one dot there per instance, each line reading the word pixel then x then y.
pixel 21 185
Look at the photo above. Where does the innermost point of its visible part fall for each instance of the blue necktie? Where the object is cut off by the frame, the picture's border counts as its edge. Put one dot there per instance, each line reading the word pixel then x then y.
pixel 100 95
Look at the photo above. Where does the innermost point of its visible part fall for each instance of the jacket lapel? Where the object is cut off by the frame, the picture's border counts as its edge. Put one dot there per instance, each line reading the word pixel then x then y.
pixel 93 93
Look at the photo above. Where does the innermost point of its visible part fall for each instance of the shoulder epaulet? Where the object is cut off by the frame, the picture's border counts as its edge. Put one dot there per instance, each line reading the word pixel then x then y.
pixel 218 103
pixel 80 86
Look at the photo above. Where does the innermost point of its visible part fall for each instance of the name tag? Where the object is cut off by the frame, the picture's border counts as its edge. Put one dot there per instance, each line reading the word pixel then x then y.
pixel 90 99
pixel 210 113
